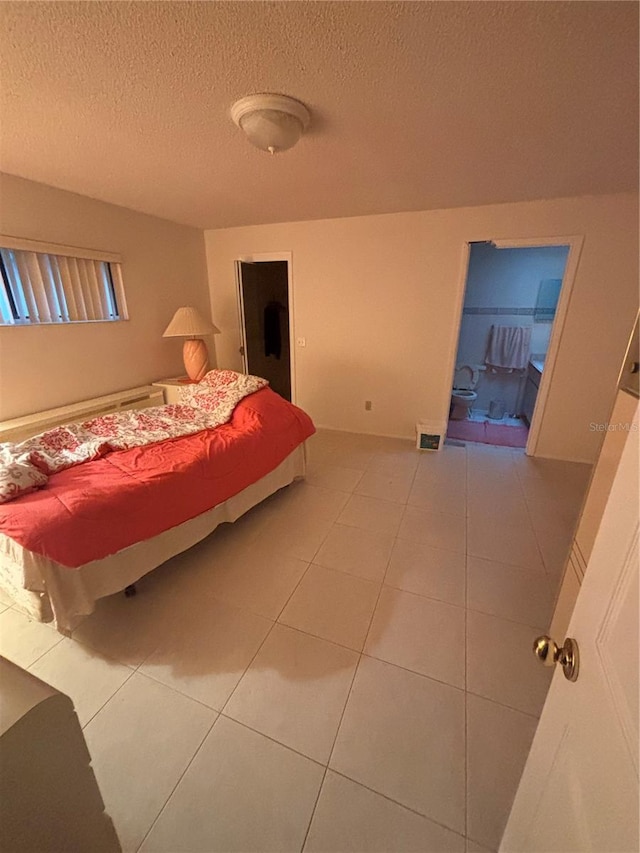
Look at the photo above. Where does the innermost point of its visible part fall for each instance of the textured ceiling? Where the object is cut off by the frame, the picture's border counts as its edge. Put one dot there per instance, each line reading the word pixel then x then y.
pixel 416 105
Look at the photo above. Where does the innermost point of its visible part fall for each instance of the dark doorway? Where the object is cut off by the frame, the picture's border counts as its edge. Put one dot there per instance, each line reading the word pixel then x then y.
pixel 264 290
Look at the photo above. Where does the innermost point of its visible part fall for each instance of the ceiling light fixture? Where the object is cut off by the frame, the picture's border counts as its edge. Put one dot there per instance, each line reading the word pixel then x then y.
pixel 271 122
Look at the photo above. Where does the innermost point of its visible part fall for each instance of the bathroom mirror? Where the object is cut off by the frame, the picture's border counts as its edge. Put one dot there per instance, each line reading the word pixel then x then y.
pixel 548 295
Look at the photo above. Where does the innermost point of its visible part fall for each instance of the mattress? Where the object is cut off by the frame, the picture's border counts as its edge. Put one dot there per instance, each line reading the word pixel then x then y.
pixel 47 591
pixel 98 527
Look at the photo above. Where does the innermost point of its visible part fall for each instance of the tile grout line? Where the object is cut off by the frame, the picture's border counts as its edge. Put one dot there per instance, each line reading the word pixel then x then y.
pixel 361 656
pixel 460 606
pixel 397 802
pixel 535 533
pixel 323 640
pixel 516 710
pixel 173 689
pixel 156 680
pixel 105 703
pixel 553 587
pixel 326 766
pixel 16 609
pixel 245 670
pixel 240 608
pixel 272 739
pixel 409 592
pixel 40 656
pixel 346 702
pixel 375 606
pixel 113 695
pixel 275 622
pixel 335 738
pixel 180 778
pixel 103 656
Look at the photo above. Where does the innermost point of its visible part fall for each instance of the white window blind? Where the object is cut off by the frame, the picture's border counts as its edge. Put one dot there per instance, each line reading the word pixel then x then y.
pixel 46 287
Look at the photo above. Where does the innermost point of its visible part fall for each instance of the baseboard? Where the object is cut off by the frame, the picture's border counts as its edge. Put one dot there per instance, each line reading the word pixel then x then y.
pixel 563 459
pixel 362 432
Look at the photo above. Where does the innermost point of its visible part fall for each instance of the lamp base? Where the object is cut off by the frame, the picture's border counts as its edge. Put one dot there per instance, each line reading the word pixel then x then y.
pixel 196 358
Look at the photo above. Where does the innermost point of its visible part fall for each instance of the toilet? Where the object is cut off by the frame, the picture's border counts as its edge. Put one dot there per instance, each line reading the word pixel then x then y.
pixel 463 395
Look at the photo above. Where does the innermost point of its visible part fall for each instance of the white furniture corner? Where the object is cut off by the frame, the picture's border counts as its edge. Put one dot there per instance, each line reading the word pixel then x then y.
pixel 171 388
pixel 49 797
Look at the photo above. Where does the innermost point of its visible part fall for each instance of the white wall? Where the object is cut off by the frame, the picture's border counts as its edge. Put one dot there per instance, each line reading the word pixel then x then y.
pixel 163 268
pixel 378 299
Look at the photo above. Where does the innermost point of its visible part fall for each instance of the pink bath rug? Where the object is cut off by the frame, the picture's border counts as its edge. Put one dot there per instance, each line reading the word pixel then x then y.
pixel 488 433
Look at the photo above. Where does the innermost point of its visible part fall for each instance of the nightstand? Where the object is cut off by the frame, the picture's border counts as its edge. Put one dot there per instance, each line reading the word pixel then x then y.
pixel 171 388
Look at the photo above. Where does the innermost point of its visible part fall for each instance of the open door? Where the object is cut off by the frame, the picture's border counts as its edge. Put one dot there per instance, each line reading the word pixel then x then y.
pixel 263 304
pixel 579 788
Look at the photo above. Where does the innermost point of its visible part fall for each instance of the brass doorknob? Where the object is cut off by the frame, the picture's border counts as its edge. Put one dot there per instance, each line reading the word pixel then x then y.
pixel 549 653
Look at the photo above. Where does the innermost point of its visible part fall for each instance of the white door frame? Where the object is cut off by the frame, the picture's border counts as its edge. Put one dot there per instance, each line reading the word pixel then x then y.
pixel 261 258
pixel 575 243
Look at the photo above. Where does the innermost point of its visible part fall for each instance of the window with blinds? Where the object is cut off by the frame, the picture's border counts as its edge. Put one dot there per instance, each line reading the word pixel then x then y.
pixel 57 287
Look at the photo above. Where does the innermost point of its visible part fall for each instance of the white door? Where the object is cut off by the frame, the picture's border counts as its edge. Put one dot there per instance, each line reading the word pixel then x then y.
pixel 579 789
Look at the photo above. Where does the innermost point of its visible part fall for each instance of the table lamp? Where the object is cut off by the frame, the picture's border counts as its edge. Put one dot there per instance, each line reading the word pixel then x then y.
pixel 188 323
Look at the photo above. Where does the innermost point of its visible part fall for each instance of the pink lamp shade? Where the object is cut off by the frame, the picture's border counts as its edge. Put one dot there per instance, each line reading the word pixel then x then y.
pixel 188 323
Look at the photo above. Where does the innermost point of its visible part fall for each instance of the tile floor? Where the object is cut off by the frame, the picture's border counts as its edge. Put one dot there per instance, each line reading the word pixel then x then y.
pixel 329 674
pixel 487 431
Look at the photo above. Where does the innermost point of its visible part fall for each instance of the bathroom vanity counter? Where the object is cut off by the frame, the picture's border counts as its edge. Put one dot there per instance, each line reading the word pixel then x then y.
pixel 537 364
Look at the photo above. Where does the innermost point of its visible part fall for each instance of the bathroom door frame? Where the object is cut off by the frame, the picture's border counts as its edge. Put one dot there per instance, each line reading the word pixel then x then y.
pixel 257 259
pixel 574 243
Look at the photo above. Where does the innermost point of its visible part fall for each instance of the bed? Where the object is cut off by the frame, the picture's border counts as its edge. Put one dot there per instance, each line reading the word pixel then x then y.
pixel 97 527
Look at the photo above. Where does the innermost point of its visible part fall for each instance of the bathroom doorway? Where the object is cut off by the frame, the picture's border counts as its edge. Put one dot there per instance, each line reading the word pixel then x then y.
pixel 512 298
pixel 265 311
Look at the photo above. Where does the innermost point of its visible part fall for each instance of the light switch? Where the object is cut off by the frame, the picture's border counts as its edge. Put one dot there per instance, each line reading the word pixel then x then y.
pixel 302 342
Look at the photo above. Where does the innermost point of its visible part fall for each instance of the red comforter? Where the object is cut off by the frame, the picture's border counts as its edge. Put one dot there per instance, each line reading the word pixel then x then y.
pixel 97 508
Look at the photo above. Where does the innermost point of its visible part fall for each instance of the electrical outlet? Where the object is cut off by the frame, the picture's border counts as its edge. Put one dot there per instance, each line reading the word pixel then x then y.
pixel 302 342
pixel 367 405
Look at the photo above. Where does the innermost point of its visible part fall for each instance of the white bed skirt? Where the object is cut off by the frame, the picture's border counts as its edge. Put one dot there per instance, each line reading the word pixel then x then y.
pixel 48 591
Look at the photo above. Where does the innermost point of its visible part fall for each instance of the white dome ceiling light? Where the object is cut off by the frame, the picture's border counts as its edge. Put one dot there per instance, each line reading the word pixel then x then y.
pixel 271 122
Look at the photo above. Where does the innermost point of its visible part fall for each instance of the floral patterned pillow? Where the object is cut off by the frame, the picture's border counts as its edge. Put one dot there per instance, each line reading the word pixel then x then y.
pixel 215 378
pixel 231 379
pixel 220 387
pixel 18 478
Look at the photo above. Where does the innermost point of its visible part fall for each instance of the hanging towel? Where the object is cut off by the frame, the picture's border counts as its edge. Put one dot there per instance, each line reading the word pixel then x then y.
pixel 272 337
pixel 508 348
